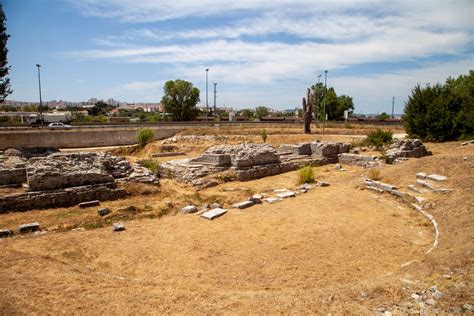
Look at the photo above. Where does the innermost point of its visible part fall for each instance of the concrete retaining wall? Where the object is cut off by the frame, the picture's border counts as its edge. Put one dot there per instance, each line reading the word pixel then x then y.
pixel 77 138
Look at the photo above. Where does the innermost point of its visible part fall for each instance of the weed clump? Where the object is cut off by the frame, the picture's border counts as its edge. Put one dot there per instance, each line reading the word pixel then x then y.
pixel 151 164
pixel 305 175
pixel 375 174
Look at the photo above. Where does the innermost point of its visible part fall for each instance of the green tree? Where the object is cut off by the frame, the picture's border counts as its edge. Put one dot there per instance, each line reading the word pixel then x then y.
pixel 441 112
pixel 100 108
pixel 318 95
pixel 261 111
pixel 5 88
pixel 180 99
pixel 383 116
pixel 247 113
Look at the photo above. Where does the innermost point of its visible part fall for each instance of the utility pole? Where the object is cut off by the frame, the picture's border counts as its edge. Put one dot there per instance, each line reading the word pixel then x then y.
pixel 41 101
pixel 325 93
pixel 207 96
pixel 215 91
pixel 393 105
pixel 318 101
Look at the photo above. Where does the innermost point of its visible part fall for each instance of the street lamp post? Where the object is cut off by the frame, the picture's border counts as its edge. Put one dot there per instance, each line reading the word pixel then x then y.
pixel 41 101
pixel 207 96
pixel 325 94
pixel 215 92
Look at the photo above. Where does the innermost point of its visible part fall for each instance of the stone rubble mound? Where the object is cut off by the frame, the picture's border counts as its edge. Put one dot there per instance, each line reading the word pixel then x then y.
pixel 406 148
pixel 195 139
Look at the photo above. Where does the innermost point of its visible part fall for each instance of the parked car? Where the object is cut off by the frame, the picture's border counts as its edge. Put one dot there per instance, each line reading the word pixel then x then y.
pixel 59 125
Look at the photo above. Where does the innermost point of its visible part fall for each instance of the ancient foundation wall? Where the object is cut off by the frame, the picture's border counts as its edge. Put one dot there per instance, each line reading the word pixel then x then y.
pixel 77 138
pixel 12 176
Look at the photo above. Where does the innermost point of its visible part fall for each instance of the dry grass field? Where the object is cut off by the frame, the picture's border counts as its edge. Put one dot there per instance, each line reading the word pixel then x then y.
pixel 315 253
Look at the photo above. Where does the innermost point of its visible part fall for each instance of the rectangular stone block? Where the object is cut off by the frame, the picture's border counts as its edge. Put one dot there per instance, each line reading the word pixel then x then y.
pixel 28 228
pixel 284 195
pixel 89 204
pixel 212 214
pixel 244 204
pixel 436 177
pixel 299 149
pixel 12 176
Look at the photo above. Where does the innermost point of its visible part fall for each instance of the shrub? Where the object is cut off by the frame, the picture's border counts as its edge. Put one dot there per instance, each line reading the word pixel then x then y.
pixel 375 174
pixel 378 138
pixel 305 175
pixel 264 135
pixel 145 136
pixel 151 164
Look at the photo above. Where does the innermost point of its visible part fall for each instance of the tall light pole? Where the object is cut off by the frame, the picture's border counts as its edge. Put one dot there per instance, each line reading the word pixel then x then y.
pixel 325 94
pixel 207 96
pixel 318 117
pixel 41 101
pixel 319 76
pixel 215 91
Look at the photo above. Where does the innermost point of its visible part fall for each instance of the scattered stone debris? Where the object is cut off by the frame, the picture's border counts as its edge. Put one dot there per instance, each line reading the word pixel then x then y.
pixel 189 209
pixel 215 205
pixel 5 233
pixel 305 187
pixel 322 184
pixel 244 204
pixel 436 177
pixel 413 188
pixel 103 211
pixel 468 307
pixel 118 227
pixel 256 198
pixel 406 148
pixel 380 185
pixel 89 204
pixel 212 214
pixel 468 142
pixel 29 228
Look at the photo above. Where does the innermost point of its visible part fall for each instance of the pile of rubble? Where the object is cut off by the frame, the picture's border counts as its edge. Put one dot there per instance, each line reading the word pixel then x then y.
pixel 251 161
pixel 65 179
pixel 406 148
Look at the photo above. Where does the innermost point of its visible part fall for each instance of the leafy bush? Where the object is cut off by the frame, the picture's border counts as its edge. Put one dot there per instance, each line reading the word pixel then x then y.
pixel 145 136
pixel 378 138
pixel 374 174
pixel 442 112
pixel 305 175
pixel 264 135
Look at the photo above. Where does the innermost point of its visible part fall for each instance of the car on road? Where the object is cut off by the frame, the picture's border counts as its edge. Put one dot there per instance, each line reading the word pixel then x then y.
pixel 59 125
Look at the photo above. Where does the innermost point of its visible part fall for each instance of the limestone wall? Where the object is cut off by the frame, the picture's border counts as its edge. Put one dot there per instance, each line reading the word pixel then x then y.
pixel 12 176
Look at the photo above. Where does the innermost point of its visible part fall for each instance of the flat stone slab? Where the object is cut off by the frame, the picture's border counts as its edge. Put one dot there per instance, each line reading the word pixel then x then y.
pixel 322 184
pixel 167 154
pixel 436 177
pixel 28 228
pixel 189 209
pixel 373 189
pixel 426 184
pixel 287 194
pixel 272 200
pixel 415 189
pixel 280 190
pixel 89 204
pixel 244 204
pixel 5 233
pixel 215 213
pixel 380 185
pixel 118 227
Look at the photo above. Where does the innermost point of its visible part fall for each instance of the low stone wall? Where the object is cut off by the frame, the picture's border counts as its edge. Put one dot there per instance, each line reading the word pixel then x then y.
pixel 357 160
pixel 60 198
pixel 77 138
pixel 12 176
pixel 222 160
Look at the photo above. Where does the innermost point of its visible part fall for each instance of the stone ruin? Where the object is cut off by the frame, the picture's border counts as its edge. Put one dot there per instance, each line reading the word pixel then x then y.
pixel 406 148
pixel 66 179
pixel 251 161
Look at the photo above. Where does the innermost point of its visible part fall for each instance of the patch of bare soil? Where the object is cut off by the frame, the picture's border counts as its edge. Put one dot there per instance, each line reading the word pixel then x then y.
pixel 314 253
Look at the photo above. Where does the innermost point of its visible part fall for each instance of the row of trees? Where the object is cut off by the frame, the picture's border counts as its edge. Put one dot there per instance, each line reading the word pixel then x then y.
pixel 443 111
pixel 335 105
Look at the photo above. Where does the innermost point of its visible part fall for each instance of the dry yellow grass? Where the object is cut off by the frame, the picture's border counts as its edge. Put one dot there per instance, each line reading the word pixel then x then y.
pixel 311 254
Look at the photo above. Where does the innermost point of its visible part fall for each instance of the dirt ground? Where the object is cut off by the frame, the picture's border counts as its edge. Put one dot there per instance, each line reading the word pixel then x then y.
pixel 315 253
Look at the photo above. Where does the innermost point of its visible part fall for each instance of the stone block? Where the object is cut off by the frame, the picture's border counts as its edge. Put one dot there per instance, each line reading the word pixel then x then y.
pixel 89 204
pixel 189 209
pixel 118 227
pixel 215 205
pixel 28 228
pixel 272 200
pixel 380 185
pixel 421 175
pixel 322 184
pixel 426 184
pixel 436 177
pixel 299 149
pixel 103 211
pixel 14 176
pixel 5 233
pixel 244 204
pixel 284 195
pixel 212 214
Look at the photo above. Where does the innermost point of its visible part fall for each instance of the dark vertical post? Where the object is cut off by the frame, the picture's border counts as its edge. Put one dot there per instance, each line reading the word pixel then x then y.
pixel 325 93
pixel 393 105
pixel 41 101
pixel 215 91
pixel 207 103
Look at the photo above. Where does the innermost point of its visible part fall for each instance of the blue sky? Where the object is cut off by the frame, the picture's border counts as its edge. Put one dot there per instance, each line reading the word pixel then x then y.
pixel 259 52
